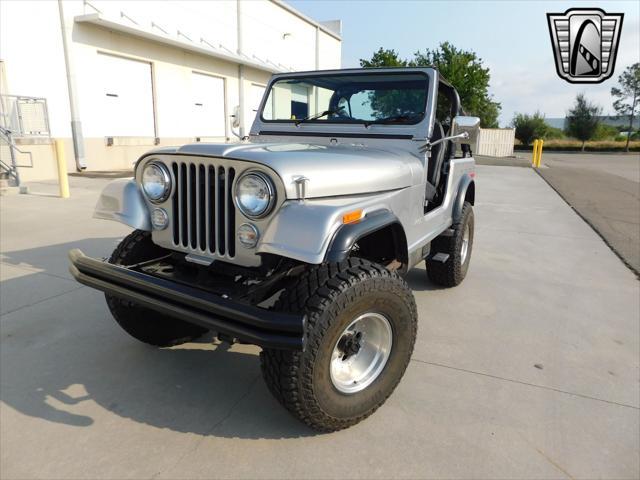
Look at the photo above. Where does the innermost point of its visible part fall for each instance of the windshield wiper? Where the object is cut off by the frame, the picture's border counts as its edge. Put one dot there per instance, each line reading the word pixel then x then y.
pixel 318 115
pixel 394 118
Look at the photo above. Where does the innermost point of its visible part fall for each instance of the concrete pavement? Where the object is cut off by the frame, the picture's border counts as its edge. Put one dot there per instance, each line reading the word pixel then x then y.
pixel 605 190
pixel 529 369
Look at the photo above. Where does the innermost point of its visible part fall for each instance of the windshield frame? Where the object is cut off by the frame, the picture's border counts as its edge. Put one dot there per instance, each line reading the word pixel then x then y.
pixel 350 72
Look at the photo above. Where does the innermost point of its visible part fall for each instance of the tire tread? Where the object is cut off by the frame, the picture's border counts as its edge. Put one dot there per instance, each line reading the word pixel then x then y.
pixel 321 289
pixel 452 272
pixel 139 322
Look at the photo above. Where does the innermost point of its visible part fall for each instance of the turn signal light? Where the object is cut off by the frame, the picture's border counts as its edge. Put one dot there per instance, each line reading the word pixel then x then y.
pixel 352 217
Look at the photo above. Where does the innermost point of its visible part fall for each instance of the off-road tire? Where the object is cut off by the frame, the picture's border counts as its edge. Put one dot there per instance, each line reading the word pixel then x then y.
pixel 452 272
pixel 332 295
pixel 142 323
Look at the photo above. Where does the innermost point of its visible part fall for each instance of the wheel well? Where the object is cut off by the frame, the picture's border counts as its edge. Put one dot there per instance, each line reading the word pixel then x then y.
pixel 470 194
pixel 383 246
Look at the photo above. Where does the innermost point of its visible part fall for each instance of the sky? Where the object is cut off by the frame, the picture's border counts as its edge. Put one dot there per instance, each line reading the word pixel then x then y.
pixel 511 37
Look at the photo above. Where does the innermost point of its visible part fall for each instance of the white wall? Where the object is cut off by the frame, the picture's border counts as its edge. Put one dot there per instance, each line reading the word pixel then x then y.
pixel 31 48
pixel 330 52
pixel 214 21
pixel 32 54
pixel 272 33
pixel 269 32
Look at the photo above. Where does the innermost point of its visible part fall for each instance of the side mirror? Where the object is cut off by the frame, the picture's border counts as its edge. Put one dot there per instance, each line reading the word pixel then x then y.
pixel 466 125
pixel 235 123
pixel 464 130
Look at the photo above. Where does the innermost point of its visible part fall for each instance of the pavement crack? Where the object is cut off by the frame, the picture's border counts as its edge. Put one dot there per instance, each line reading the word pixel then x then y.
pixel 230 411
pixel 547 457
pixel 213 427
pixel 42 300
pixel 534 385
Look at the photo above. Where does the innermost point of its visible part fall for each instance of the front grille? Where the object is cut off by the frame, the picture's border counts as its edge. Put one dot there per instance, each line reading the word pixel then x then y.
pixel 203 209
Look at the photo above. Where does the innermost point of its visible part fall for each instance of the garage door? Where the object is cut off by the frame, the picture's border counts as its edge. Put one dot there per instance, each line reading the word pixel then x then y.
pixel 207 105
pixel 126 96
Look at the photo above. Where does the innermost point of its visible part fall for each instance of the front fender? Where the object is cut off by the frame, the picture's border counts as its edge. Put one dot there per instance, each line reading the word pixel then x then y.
pixel 347 235
pixel 305 230
pixel 466 184
pixel 121 201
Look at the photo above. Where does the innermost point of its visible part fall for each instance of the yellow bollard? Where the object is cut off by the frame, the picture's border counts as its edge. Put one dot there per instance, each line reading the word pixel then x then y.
pixel 534 153
pixel 540 145
pixel 63 180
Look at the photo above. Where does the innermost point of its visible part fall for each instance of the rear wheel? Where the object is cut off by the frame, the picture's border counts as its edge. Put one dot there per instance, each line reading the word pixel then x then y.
pixel 450 268
pixel 142 323
pixel 361 329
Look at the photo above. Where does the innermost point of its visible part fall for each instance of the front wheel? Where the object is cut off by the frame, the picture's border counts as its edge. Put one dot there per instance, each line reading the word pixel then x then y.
pixel 142 323
pixel 361 329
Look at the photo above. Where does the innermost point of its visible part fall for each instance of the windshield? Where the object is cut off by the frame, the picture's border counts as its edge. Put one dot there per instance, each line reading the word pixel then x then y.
pixel 367 98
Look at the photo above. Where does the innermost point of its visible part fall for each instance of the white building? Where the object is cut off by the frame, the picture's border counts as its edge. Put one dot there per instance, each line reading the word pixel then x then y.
pixel 131 75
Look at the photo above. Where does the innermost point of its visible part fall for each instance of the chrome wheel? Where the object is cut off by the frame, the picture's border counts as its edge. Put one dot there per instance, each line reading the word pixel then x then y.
pixel 361 352
pixel 464 248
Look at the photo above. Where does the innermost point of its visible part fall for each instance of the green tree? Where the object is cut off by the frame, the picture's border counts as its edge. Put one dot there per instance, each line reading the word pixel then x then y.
pixel 384 58
pixel 605 132
pixel 529 127
pixel 553 133
pixel 582 119
pixel 463 69
pixel 386 104
pixel 628 95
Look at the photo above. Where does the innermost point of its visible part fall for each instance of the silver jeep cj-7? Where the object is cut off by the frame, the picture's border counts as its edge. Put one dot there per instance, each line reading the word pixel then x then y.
pixel 296 237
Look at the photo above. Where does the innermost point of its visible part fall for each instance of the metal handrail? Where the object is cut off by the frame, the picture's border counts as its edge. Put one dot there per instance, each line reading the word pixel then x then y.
pixel 8 138
pixel 5 166
pixel 12 170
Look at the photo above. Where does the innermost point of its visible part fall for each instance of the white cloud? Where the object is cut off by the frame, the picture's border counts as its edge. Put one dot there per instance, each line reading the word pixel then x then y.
pixel 522 87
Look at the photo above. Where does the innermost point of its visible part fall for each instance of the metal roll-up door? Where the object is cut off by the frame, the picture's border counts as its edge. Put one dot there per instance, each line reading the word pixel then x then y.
pixel 126 97
pixel 207 107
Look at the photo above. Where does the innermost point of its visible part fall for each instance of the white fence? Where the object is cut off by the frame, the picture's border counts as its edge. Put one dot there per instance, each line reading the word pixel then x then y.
pixel 496 142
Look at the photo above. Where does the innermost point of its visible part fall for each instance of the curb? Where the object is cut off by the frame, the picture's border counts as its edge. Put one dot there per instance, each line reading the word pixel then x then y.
pixel 626 263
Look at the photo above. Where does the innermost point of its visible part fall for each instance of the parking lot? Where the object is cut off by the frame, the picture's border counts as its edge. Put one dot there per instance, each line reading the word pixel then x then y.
pixel 605 191
pixel 529 369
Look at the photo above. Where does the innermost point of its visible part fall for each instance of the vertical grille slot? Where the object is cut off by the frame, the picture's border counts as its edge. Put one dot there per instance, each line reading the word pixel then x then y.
pixel 211 203
pixel 183 204
pixel 220 215
pixel 231 213
pixel 203 209
pixel 192 206
pixel 176 209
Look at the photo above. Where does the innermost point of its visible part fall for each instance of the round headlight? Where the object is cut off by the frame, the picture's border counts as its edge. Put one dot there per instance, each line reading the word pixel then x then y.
pixel 255 194
pixel 156 182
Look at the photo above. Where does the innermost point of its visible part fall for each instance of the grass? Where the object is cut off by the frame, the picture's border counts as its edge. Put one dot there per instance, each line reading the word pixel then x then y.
pixel 591 146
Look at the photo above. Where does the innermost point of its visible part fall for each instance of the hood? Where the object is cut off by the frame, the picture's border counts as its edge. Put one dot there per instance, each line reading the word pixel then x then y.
pixel 331 169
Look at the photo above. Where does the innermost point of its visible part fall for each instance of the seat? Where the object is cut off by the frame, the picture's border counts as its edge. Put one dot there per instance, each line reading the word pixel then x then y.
pixel 436 160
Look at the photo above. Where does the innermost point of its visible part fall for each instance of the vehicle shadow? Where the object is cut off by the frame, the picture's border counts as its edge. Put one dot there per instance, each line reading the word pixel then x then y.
pixel 65 360
pixel 419 281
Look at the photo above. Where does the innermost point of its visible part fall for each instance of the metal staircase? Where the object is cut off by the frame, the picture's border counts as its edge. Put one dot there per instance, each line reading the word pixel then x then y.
pixel 9 175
